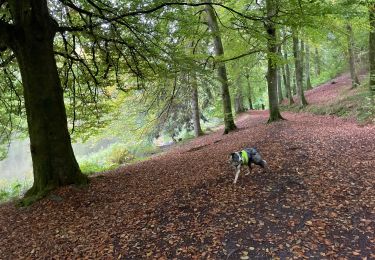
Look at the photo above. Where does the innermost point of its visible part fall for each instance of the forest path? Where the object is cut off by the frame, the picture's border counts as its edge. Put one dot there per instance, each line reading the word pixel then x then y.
pixel 316 200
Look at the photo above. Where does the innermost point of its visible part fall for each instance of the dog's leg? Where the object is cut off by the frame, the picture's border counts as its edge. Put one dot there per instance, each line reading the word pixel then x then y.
pixel 237 174
pixel 248 170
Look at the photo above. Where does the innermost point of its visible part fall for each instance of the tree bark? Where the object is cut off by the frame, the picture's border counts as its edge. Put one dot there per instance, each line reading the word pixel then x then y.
pixel 372 52
pixel 272 68
pixel 317 62
pixel 353 73
pixel 229 124
pixel 298 71
pixel 54 163
pixel 307 61
pixel 195 106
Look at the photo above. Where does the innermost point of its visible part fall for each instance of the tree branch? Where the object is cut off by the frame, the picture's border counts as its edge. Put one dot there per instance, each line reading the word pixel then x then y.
pixel 117 18
pixel 8 60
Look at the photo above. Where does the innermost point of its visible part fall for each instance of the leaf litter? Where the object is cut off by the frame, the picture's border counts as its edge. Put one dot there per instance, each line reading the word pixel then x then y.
pixel 316 200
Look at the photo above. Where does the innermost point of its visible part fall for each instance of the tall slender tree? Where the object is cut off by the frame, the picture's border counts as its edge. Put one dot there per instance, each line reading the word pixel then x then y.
pixel 229 124
pixel 353 73
pixel 271 7
pixel 195 105
pixel 249 96
pixel 298 70
pixel 279 75
pixel 317 62
pixel 286 72
pixel 307 62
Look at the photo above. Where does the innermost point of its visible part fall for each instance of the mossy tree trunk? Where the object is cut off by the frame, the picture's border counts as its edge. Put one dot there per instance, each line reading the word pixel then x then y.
pixel 229 124
pixel 272 67
pixel 54 163
pixel 353 73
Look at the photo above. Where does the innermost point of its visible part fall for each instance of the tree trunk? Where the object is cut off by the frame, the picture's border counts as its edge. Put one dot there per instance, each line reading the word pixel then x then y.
pixel 294 84
pixel 286 73
pixel 298 71
pixel 279 86
pixel 317 62
pixel 54 163
pixel 195 106
pixel 239 105
pixel 279 71
pixel 372 52
pixel 251 107
pixel 307 60
pixel 353 73
pixel 229 124
pixel 286 77
pixel 272 68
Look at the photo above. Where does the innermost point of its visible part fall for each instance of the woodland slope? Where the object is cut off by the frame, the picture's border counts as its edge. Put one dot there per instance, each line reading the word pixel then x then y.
pixel 317 199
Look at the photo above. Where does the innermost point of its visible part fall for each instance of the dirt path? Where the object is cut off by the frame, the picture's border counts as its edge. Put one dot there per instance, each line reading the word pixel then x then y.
pixel 316 201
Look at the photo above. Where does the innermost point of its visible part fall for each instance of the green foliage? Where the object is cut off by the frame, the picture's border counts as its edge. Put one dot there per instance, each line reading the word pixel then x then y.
pixel 106 159
pixel 13 190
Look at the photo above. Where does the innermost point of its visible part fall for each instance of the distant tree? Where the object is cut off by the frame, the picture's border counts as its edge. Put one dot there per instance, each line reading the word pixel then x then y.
pixel 317 62
pixel 353 73
pixel 249 98
pixel 286 72
pixel 298 70
pixel 279 75
pixel 307 62
pixel 195 105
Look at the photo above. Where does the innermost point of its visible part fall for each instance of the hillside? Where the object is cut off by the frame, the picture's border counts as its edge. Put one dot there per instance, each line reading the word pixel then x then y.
pixel 336 97
pixel 316 199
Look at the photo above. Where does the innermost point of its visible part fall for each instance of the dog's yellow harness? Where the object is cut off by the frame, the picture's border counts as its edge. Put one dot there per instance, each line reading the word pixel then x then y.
pixel 245 157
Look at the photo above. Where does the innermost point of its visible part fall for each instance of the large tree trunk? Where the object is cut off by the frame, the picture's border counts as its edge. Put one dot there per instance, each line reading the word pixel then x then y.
pixel 272 68
pixel 298 71
pixel 307 60
pixel 195 106
pixel 353 73
pixel 317 62
pixel 251 107
pixel 54 163
pixel 222 71
pixel 372 52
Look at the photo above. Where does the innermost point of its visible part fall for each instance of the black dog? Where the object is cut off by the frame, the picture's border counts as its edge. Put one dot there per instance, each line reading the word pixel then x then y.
pixel 246 157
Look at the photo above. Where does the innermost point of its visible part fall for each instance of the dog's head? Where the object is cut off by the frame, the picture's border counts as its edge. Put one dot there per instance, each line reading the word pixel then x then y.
pixel 235 159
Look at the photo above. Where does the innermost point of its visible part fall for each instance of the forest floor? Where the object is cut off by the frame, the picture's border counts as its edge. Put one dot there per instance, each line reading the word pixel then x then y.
pixel 316 200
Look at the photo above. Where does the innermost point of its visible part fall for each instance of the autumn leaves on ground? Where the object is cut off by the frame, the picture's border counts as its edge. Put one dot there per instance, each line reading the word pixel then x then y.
pixel 317 199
